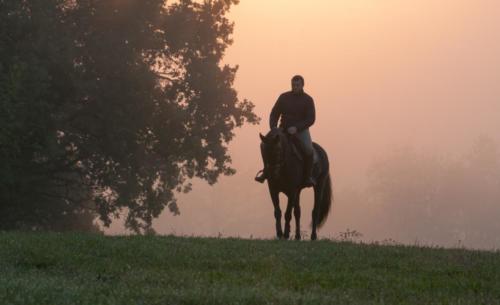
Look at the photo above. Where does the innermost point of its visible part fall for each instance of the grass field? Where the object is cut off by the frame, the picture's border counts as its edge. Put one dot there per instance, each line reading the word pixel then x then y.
pixel 50 268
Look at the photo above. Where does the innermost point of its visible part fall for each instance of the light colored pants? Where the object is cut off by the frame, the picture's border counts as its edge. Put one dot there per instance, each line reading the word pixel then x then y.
pixel 305 138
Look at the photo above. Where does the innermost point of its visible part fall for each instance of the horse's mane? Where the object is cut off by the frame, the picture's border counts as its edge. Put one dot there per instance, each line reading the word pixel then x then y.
pixel 276 132
pixel 284 139
pixel 272 132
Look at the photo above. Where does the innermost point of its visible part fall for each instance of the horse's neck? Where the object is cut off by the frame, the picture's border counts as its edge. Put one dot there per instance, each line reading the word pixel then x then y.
pixel 289 145
pixel 288 152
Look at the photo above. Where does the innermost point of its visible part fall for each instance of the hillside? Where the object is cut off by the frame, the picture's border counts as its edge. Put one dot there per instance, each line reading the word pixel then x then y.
pixel 51 268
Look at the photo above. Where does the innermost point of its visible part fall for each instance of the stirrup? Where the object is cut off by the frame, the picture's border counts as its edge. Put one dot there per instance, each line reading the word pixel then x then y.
pixel 260 178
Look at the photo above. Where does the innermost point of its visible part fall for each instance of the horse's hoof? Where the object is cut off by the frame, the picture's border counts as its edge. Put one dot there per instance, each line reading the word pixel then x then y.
pixel 286 235
pixel 313 237
pixel 279 235
pixel 297 237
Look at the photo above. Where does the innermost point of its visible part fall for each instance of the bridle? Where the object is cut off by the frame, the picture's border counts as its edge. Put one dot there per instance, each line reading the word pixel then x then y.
pixel 276 168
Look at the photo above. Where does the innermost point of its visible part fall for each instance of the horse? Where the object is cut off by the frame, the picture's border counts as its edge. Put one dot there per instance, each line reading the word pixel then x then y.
pixel 285 175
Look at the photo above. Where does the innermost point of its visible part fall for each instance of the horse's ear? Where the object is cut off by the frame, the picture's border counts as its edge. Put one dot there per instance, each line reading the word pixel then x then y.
pixel 262 137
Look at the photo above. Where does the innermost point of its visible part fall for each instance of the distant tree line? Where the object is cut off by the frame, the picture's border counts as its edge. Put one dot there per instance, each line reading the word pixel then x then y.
pixel 434 199
pixel 111 105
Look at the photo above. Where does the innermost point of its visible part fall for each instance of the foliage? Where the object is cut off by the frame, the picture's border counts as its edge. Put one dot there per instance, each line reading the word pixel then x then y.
pixel 39 186
pixel 112 105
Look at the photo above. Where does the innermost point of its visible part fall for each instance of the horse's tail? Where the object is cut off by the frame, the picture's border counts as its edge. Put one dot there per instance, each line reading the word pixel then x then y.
pixel 325 200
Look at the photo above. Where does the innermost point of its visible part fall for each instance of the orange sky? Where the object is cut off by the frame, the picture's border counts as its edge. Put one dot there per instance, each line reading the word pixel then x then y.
pixel 383 73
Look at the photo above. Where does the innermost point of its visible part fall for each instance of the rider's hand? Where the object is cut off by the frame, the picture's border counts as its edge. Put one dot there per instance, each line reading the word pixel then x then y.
pixel 292 130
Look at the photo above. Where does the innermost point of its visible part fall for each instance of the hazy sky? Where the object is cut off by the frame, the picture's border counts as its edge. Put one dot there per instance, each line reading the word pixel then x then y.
pixel 383 74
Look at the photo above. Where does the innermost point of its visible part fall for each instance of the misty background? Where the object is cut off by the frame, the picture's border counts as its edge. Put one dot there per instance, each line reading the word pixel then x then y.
pixel 407 101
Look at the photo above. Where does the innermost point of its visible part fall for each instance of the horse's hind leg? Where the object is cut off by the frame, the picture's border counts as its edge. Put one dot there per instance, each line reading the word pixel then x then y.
pixel 296 213
pixel 288 217
pixel 315 211
pixel 277 213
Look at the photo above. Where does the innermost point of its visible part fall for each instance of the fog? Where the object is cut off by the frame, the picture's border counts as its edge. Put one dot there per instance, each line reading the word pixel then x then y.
pixel 404 90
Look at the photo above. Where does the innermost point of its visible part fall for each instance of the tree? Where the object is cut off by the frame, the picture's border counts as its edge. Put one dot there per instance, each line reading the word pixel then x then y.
pixel 36 171
pixel 135 103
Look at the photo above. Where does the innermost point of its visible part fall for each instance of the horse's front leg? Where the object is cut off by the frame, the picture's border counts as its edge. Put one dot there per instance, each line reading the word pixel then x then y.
pixel 296 213
pixel 277 213
pixel 288 217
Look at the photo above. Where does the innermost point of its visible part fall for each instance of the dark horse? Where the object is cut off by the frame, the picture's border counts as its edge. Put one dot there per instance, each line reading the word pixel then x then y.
pixel 286 171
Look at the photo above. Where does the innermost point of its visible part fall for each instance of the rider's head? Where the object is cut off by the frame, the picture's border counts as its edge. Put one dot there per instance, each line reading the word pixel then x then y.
pixel 297 84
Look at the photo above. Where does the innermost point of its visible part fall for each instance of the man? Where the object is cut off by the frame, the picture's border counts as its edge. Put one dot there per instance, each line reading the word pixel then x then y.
pixel 297 112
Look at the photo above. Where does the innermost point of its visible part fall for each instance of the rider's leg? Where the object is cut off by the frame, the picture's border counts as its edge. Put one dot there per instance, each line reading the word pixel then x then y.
pixel 262 177
pixel 307 147
pixel 308 169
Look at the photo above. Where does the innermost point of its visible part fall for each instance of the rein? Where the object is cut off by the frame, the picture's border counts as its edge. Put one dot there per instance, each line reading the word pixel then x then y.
pixel 285 146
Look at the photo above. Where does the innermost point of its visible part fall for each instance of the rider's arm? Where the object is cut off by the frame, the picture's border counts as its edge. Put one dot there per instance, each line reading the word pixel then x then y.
pixel 275 113
pixel 310 117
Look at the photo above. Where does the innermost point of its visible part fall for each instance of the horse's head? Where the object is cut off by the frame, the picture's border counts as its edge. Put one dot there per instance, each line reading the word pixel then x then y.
pixel 274 150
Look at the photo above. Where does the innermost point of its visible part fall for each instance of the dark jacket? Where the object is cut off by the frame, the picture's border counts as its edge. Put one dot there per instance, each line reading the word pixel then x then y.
pixel 295 110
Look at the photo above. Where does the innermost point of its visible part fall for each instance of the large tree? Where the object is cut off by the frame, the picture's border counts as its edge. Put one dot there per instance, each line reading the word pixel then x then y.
pixel 39 184
pixel 112 105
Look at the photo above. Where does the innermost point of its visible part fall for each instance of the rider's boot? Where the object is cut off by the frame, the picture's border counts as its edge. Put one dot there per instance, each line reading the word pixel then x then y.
pixel 308 168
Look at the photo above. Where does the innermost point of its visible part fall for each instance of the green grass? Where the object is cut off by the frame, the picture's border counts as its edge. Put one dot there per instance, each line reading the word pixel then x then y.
pixel 50 268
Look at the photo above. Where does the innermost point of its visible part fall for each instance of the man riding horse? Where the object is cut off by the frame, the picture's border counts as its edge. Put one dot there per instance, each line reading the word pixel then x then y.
pixel 297 113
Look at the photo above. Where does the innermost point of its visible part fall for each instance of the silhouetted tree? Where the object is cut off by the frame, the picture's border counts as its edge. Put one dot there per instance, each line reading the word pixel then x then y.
pixel 111 105
pixel 39 184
